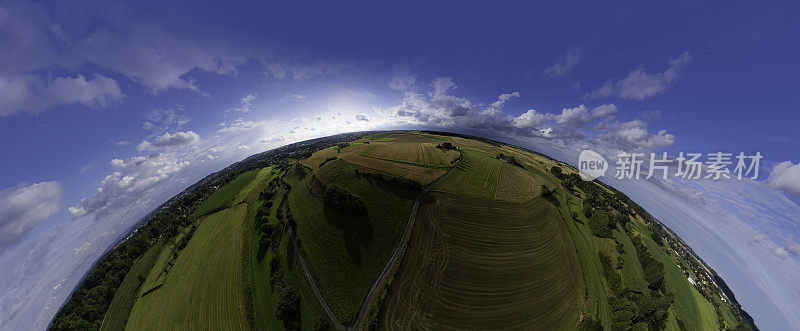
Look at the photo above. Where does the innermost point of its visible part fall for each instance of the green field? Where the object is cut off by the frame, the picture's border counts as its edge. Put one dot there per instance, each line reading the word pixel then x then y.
pixel 476 176
pixel 632 274
pixel 255 185
pixel 690 306
pixel 487 250
pixel 346 252
pixel 225 195
pixel 128 291
pixel 482 264
pixel 204 288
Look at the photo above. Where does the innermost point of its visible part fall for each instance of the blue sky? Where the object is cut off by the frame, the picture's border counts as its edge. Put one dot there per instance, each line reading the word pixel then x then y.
pixel 107 110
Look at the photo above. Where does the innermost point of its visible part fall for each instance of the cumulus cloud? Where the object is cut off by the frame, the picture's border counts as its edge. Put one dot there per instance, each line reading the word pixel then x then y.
pixel 565 63
pixel 441 108
pixel 502 99
pixel 785 176
pixel 633 135
pixel 362 117
pixel 794 249
pixel 604 110
pixel 168 140
pixel 780 252
pixel 23 207
pixel 126 42
pixel 529 119
pixel 132 179
pixel 639 84
pixel 33 93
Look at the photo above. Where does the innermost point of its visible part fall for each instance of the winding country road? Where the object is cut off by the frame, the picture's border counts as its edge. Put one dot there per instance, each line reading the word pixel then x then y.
pixel 356 325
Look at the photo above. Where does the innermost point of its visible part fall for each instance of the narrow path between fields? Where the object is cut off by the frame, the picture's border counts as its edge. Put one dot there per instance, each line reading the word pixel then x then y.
pixel 292 238
pixel 400 246
pixel 356 325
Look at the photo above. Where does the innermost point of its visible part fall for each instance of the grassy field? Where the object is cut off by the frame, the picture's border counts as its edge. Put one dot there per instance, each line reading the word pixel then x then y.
pixel 632 274
pixel 414 152
pixel 204 288
pixel 476 176
pixel 482 264
pixel 515 184
pixel 346 252
pixel 225 195
pixel 410 171
pixel 690 306
pixel 255 185
pixel 128 291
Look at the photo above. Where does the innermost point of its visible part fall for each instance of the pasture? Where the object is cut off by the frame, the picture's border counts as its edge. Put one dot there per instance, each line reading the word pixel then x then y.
pixel 128 291
pixel 476 176
pixel 225 195
pixel 690 306
pixel 347 252
pixel 425 154
pixel 204 288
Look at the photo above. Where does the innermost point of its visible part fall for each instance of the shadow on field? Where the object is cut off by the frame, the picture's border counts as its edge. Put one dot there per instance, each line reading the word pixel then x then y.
pixel 356 229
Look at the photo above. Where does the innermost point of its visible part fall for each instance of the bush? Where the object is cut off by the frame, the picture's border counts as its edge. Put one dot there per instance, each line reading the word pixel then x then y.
pixel 340 199
pixel 289 304
pixel 391 180
pixel 590 323
pixel 600 224
pixel 446 146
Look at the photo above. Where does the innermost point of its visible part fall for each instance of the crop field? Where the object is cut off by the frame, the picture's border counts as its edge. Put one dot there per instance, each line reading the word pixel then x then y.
pixel 476 175
pixel 204 288
pixel 225 195
pixel 420 153
pixel 481 264
pixel 128 291
pixel 318 157
pixel 596 289
pixel 255 185
pixel 515 184
pixel 347 252
pixel 405 170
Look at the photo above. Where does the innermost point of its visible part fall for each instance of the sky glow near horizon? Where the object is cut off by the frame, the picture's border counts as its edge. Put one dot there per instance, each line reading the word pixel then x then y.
pixel 107 110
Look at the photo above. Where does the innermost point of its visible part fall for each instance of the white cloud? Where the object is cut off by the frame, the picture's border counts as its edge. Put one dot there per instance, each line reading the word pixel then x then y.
pixel 502 99
pixel 785 176
pixel 403 78
pixel 33 93
pixel 169 140
pixel 604 110
pixel 23 207
pixel 794 249
pixel 633 135
pixel 165 119
pixel 639 84
pixel 123 41
pixel 565 63
pixel 246 104
pixel 132 179
pixel 529 119
pixel 780 252
pixel 237 125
